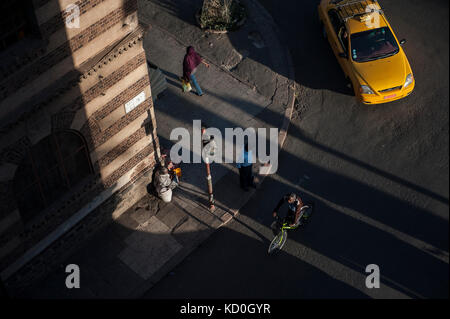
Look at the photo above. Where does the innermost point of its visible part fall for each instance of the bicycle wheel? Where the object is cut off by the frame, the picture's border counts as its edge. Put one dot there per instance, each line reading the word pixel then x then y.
pixel 283 239
pixel 275 243
pixel 278 241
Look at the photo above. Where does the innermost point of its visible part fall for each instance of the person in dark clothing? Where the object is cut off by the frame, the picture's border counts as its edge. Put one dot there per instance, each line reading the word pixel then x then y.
pixel 295 205
pixel 190 62
pixel 245 166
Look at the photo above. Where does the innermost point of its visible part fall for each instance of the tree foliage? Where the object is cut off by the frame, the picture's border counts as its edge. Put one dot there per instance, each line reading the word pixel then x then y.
pixel 221 14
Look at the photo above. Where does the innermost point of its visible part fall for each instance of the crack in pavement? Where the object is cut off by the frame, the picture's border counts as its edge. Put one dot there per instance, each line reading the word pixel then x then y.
pixel 181 222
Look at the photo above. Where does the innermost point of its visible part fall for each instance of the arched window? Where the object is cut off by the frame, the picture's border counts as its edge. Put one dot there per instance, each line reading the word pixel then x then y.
pixel 50 168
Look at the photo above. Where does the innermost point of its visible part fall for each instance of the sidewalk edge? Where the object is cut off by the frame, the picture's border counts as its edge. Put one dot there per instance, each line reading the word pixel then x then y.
pixel 282 135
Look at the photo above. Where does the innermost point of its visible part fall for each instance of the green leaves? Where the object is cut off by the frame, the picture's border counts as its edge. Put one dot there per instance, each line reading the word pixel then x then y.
pixel 222 16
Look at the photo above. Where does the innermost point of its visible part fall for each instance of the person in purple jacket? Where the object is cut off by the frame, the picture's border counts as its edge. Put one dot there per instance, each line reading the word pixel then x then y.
pixel 190 63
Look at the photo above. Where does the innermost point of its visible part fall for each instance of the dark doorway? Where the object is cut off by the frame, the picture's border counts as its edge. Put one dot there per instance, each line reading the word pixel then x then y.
pixel 50 168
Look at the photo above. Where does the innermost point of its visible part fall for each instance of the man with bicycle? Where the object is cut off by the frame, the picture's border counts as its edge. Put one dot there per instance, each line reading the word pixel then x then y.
pixel 295 204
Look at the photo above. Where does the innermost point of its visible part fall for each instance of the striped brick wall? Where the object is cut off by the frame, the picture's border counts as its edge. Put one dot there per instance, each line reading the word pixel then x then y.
pixel 31 72
pixel 81 82
pixel 57 21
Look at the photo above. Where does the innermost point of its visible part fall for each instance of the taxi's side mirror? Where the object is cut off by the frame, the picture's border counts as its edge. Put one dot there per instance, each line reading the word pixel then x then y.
pixel 402 41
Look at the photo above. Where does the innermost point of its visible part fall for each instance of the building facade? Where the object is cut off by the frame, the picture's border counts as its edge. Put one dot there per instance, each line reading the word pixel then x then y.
pixel 77 126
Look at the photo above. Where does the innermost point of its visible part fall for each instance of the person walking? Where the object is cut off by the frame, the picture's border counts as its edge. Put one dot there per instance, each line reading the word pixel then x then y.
pixel 190 63
pixel 245 166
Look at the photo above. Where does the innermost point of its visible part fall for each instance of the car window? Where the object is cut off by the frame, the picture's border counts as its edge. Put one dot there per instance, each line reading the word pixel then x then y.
pixel 343 37
pixel 335 21
pixel 373 44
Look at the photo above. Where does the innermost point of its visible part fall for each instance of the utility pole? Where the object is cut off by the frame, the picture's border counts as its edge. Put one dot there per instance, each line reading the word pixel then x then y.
pixel 209 146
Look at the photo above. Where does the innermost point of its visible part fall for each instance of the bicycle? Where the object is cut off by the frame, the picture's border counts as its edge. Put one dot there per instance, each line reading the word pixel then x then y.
pixel 283 226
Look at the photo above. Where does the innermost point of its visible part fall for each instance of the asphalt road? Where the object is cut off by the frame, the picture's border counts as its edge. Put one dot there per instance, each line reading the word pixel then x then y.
pixel 378 175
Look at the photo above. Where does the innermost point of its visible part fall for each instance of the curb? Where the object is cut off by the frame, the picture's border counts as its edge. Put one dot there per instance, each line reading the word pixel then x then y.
pixel 291 76
pixel 229 214
pixel 282 135
pixel 291 99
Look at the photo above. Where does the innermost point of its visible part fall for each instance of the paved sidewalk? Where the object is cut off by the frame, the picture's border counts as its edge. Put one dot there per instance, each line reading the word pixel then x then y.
pixel 247 85
pixel 226 103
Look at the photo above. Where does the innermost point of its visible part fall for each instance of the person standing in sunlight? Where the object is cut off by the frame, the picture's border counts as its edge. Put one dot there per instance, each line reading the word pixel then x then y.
pixel 190 63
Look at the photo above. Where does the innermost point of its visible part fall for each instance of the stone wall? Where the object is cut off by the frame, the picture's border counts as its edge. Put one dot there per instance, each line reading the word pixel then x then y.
pixel 80 80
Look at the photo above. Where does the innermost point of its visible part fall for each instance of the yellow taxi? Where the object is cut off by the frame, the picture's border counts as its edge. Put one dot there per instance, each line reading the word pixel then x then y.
pixel 367 49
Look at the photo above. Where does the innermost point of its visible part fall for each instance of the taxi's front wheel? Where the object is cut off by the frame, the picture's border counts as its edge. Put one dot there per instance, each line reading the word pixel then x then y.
pixel 349 85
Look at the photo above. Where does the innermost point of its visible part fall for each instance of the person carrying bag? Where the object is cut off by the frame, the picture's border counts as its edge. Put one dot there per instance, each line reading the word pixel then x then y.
pixel 186 85
pixel 190 62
